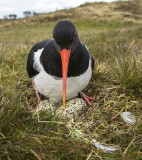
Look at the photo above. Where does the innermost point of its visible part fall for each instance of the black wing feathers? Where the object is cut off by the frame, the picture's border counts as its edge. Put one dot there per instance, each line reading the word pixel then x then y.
pixel 92 61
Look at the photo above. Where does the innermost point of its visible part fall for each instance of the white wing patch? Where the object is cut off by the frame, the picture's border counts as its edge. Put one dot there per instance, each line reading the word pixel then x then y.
pixel 37 65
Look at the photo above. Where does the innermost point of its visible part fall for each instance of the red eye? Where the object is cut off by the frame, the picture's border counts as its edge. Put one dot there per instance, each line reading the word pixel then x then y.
pixel 74 35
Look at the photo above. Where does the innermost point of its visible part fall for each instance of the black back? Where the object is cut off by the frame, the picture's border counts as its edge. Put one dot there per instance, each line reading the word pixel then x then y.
pixel 51 60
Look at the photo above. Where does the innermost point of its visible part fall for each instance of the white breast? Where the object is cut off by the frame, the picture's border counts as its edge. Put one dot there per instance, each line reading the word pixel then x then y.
pixel 53 88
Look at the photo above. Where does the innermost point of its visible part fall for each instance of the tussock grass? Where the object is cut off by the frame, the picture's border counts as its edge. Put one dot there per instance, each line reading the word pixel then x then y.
pixel 128 72
pixel 116 85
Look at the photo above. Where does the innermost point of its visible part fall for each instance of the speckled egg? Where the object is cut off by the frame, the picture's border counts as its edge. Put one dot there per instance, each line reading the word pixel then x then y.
pixel 47 106
pixel 74 109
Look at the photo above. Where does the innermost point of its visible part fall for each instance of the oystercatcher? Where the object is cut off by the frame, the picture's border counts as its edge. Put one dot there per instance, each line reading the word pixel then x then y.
pixel 61 67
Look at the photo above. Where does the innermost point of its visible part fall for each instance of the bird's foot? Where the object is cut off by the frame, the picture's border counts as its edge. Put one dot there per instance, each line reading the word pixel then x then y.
pixel 37 94
pixel 87 98
pixel 39 100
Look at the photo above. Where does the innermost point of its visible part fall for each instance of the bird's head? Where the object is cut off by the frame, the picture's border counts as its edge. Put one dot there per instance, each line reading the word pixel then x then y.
pixel 66 40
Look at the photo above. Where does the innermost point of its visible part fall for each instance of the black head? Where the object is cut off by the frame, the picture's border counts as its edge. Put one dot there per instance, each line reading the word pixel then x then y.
pixel 65 35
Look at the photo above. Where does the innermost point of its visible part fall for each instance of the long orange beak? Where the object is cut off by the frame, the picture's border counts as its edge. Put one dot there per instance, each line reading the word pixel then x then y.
pixel 65 55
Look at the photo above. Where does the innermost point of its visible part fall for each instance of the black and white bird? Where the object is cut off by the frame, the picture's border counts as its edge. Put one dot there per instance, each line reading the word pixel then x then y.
pixel 61 67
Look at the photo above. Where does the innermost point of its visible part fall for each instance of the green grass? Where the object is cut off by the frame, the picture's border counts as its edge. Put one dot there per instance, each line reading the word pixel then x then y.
pixel 116 85
pixel 128 73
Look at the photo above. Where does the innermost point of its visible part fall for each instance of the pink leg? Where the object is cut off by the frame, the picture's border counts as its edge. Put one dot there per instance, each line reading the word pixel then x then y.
pixel 87 98
pixel 38 97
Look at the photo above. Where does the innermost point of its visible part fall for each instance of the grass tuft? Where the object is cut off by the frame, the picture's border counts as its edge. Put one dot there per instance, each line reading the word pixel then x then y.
pixel 128 73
